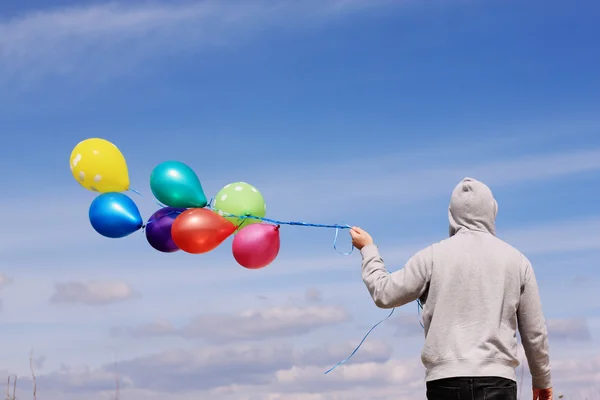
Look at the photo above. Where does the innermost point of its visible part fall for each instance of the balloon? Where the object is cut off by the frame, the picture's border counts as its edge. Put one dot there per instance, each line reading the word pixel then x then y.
pixel 99 166
pixel 115 215
pixel 177 185
pixel 256 246
pixel 158 229
pixel 199 230
pixel 240 198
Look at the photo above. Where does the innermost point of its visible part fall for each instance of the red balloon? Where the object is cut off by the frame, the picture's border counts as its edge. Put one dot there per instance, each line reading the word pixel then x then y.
pixel 256 246
pixel 199 230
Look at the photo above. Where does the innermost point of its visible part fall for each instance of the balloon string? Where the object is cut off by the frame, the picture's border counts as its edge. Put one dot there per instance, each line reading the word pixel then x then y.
pixel 360 344
pixel 153 220
pixel 335 239
pixel 294 223
pixel 274 221
pixel 135 191
pixel 337 227
pixel 419 308
pixel 161 205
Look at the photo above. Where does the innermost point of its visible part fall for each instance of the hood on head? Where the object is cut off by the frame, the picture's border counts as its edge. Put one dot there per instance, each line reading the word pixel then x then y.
pixel 472 207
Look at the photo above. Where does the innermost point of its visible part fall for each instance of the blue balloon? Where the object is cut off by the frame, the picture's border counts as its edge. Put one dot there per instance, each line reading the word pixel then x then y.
pixel 115 215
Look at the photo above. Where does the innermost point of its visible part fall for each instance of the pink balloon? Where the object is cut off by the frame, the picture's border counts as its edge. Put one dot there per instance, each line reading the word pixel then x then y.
pixel 256 245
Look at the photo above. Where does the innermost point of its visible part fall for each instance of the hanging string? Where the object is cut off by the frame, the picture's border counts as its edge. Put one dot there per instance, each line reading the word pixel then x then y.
pixel 419 308
pixel 360 344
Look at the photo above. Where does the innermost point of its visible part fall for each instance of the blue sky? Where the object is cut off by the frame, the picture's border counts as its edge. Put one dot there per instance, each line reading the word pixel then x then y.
pixel 359 112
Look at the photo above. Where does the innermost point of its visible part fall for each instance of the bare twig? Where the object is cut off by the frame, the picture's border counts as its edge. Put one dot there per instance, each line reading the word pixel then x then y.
pixel 12 396
pixel 33 377
pixel 117 383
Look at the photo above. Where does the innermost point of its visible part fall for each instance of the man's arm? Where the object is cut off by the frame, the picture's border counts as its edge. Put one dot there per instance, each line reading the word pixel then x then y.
pixel 532 327
pixel 398 288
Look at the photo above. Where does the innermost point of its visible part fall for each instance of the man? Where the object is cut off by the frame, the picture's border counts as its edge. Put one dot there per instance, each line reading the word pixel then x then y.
pixel 475 290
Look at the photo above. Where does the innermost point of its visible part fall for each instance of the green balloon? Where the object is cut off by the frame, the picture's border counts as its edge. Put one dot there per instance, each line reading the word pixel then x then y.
pixel 176 185
pixel 240 199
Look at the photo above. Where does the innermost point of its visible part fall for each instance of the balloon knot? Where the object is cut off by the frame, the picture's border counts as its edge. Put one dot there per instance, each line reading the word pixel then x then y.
pixel 277 227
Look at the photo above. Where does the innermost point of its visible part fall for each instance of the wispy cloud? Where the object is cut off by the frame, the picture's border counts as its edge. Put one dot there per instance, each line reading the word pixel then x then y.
pixel 81 379
pixel 249 325
pixel 211 367
pixel 313 295
pixel 92 293
pixel 560 236
pixel 575 329
pixel 387 185
pixel 278 371
pixel 113 38
pixel 4 280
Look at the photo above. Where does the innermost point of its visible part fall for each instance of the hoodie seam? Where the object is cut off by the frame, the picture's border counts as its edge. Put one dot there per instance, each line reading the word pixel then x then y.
pixel 447 360
pixel 464 228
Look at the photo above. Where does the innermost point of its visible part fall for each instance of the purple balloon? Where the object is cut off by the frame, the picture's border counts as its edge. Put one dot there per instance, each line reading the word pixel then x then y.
pixel 158 229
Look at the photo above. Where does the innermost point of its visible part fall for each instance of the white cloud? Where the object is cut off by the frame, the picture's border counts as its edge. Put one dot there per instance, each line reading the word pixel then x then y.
pixel 577 377
pixel 406 325
pixel 4 280
pixel 92 293
pixel 81 378
pixel 278 371
pixel 252 325
pixel 313 295
pixel 363 374
pixel 113 38
pixel 575 329
pixel 208 368
pixel 557 236
pixel 392 186
pixel 156 328
pixel 578 370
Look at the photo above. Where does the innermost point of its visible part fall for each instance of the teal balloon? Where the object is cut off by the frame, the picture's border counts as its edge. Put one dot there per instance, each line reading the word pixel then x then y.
pixel 176 185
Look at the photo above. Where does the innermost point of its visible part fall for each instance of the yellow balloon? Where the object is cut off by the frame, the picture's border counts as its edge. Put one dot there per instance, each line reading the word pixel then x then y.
pixel 99 166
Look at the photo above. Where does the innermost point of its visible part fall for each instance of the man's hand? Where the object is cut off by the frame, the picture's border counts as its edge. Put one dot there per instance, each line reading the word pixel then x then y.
pixel 360 238
pixel 542 394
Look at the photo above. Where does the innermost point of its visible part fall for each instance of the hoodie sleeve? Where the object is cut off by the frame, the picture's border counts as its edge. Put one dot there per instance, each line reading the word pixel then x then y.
pixel 532 327
pixel 390 290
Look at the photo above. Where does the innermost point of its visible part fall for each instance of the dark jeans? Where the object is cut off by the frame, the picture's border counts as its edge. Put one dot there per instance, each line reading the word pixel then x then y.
pixel 472 388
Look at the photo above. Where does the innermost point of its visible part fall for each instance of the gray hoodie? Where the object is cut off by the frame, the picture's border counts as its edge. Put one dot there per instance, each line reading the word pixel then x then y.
pixel 475 289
